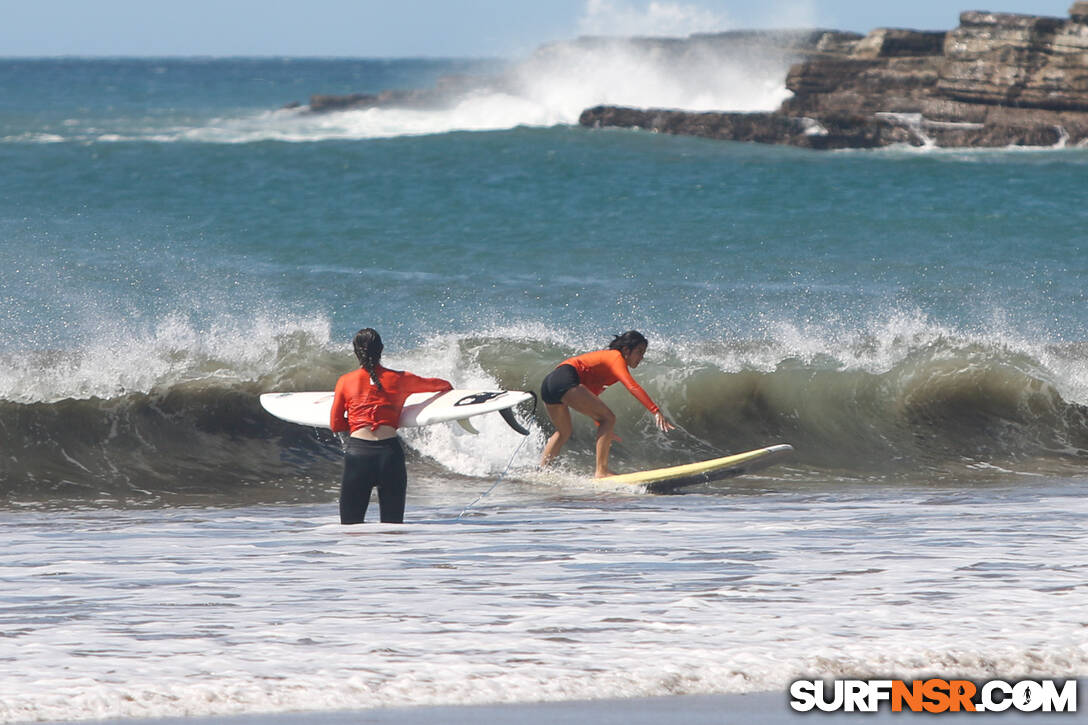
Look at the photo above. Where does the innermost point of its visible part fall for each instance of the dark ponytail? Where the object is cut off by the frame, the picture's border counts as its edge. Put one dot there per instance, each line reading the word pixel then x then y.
pixel 368 348
pixel 628 341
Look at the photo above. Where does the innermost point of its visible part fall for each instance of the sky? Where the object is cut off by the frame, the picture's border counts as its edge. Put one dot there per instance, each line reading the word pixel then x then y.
pixel 430 28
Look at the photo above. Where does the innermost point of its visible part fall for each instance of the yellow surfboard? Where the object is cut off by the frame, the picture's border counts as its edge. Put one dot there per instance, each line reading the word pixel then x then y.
pixel 664 480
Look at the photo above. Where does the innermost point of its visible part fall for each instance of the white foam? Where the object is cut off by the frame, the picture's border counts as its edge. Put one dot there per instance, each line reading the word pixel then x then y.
pixel 496 448
pixel 174 613
pixel 34 138
pixel 571 78
pixel 118 360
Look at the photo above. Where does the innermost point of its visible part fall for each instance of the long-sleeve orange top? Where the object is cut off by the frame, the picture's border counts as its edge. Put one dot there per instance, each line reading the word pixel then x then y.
pixel 597 370
pixel 358 403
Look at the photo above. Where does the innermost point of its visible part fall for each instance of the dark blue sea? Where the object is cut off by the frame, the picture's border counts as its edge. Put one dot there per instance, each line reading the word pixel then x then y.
pixel 178 236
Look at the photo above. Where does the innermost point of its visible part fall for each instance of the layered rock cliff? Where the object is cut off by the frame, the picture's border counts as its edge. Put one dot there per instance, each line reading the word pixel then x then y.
pixel 998 79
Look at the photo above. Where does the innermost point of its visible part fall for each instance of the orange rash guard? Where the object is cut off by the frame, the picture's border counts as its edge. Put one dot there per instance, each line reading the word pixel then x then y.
pixel 368 407
pixel 597 370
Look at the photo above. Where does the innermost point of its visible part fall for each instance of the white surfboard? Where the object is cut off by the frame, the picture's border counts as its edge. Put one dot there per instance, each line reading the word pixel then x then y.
pixel 314 409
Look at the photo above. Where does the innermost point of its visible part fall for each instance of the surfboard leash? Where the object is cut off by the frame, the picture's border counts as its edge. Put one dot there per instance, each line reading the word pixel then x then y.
pixel 509 463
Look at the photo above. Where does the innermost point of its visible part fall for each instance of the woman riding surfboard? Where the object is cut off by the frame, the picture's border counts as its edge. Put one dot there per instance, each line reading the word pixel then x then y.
pixel 578 382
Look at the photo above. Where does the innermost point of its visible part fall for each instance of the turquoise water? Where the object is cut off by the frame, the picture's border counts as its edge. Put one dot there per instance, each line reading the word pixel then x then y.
pixel 682 237
pixel 174 242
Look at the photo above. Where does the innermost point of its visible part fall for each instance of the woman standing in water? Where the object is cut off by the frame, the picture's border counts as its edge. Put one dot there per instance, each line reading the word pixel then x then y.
pixel 577 383
pixel 367 402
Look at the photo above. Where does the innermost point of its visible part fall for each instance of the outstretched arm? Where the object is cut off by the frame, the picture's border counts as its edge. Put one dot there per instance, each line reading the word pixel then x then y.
pixel 624 376
pixel 417 384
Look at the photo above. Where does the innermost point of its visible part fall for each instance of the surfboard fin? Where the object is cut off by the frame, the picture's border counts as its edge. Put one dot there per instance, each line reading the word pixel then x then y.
pixel 508 415
pixel 464 423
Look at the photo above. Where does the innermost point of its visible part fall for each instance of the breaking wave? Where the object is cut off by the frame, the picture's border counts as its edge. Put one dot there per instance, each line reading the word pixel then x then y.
pixel 552 87
pixel 175 417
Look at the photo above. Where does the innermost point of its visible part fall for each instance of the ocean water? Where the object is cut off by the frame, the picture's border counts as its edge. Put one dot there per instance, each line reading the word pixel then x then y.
pixel 175 241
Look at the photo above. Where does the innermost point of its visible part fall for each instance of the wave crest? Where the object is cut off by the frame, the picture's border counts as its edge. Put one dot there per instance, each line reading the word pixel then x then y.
pixel 187 422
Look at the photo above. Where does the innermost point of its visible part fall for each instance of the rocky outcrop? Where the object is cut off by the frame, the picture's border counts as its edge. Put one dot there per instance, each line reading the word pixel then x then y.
pixel 830 133
pixel 446 90
pixel 998 79
pixel 1017 60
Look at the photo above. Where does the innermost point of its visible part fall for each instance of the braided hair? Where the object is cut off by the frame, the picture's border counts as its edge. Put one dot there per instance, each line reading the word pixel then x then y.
pixel 628 341
pixel 368 348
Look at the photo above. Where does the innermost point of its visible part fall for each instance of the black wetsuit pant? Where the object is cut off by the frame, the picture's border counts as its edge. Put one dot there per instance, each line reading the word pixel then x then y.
pixel 368 464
